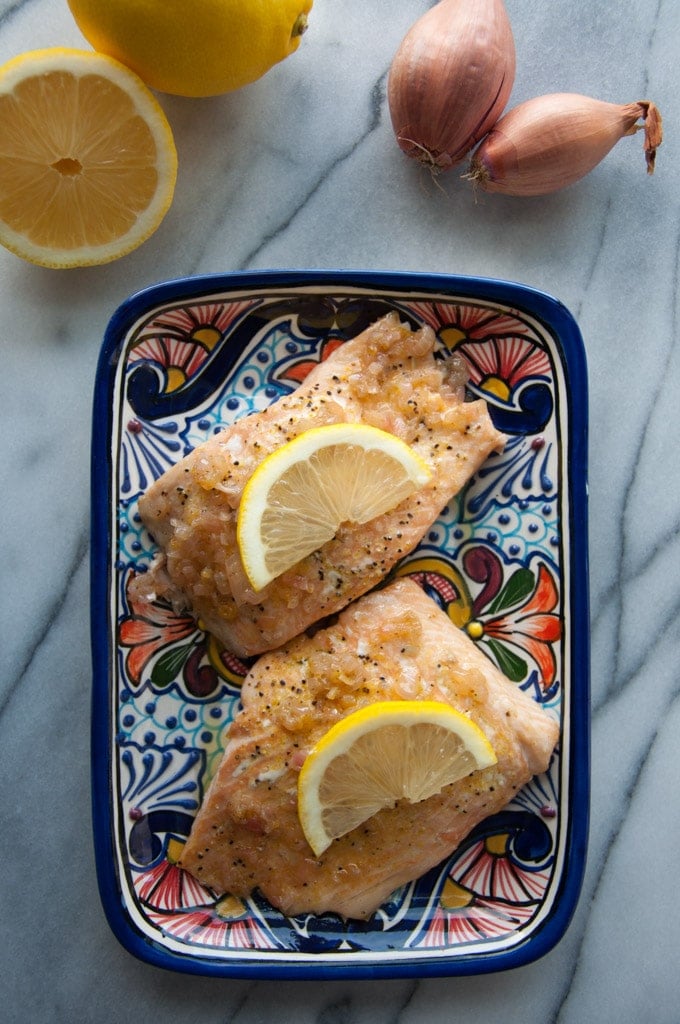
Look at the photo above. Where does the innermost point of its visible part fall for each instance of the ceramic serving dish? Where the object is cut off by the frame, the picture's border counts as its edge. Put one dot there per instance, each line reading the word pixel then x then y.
pixel 507 560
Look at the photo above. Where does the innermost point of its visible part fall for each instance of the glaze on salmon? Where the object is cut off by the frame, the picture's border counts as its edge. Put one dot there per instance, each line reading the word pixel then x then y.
pixel 388 377
pixel 393 644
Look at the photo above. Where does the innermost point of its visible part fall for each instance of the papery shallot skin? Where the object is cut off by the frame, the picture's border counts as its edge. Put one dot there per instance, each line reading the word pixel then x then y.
pixel 393 644
pixel 451 79
pixel 552 141
pixel 387 377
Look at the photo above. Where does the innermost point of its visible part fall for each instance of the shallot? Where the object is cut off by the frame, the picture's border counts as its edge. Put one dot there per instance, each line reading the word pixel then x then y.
pixel 552 141
pixel 451 79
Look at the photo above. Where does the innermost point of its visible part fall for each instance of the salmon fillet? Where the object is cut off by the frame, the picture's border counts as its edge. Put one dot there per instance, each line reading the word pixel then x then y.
pixel 393 644
pixel 388 377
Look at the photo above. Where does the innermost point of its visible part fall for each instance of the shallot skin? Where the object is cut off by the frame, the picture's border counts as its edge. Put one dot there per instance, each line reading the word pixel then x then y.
pixel 451 79
pixel 550 142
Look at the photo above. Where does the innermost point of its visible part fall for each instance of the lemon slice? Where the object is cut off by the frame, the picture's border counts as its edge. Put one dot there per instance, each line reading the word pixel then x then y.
pixel 388 751
pixel 87 158
pixel 300 495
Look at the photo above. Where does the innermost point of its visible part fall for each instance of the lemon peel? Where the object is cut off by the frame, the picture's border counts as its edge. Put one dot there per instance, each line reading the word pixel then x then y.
pixel 202 48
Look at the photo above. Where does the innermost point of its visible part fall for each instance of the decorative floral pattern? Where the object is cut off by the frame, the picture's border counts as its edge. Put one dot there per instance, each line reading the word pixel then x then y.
pixel 153 632
pixel 166 888
pixel 492 561
pixel 523 603
pixel 298 370
pixel 179 340
pixel 497 879
pixel 528 621
pixel 507 360
pixel 215 927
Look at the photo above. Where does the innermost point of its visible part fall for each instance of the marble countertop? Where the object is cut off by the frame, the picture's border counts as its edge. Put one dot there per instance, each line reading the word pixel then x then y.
pixel 301 170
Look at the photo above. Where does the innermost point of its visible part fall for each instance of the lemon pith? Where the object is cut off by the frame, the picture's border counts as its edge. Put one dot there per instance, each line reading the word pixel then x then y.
pixel 202 48
pixel 301 493
pixel 88 162
pixel 382 753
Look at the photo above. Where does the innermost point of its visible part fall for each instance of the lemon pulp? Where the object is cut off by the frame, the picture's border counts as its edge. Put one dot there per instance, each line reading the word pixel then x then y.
pixel 382 753
pixel 301 493
pixel 87 159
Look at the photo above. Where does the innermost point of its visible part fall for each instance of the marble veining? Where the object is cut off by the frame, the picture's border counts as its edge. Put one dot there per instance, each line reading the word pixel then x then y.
pixel 301 170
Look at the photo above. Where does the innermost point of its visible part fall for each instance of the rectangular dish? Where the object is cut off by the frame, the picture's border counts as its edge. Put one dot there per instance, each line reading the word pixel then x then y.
pixel 507 560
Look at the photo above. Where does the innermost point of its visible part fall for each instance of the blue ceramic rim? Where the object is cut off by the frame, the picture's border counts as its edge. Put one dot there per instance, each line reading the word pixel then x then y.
pixel 554 315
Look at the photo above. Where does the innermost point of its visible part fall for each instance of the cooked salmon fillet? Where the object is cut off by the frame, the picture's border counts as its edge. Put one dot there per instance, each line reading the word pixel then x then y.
pixel 388 377
pixel 393 644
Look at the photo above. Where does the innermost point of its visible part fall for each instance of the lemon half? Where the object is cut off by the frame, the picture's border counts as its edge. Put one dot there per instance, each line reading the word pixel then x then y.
pixel 87 158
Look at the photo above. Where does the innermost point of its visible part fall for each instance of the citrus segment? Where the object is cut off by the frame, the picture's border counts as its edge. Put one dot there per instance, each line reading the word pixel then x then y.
pixel 301 494
pixel 382 753
pixel 87 159
pixel 202 48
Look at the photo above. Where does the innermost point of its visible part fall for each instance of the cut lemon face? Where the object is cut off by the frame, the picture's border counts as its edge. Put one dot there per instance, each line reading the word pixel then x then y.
pixel 300 495
pixel 387 751
pixel 87 158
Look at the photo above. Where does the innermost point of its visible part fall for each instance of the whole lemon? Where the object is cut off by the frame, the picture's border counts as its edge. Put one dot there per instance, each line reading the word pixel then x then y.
pixel 197 48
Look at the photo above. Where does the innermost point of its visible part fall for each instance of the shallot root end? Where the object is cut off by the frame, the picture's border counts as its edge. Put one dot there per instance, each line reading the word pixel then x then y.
pixel 435 162
pixel 478 176
pixel 653 126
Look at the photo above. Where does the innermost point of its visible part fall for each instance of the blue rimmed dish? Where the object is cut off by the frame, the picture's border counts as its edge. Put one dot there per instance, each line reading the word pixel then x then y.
pixel 181 360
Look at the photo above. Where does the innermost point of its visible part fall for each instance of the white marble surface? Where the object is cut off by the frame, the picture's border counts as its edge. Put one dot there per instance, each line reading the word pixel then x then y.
pixel 301 170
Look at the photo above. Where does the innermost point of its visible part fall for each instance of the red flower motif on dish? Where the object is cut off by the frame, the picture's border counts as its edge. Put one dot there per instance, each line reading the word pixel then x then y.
pixel 179 905
pixel 488 893
pixel 533 626
pixel 297 371
pixel 528 622
pixel 167 887
pixel 205 927
pixel 151 627
pixel 153 633
pixel 491 873
pixel 181 340
pixel 482 919
pixel 500 349
pixel 457 322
